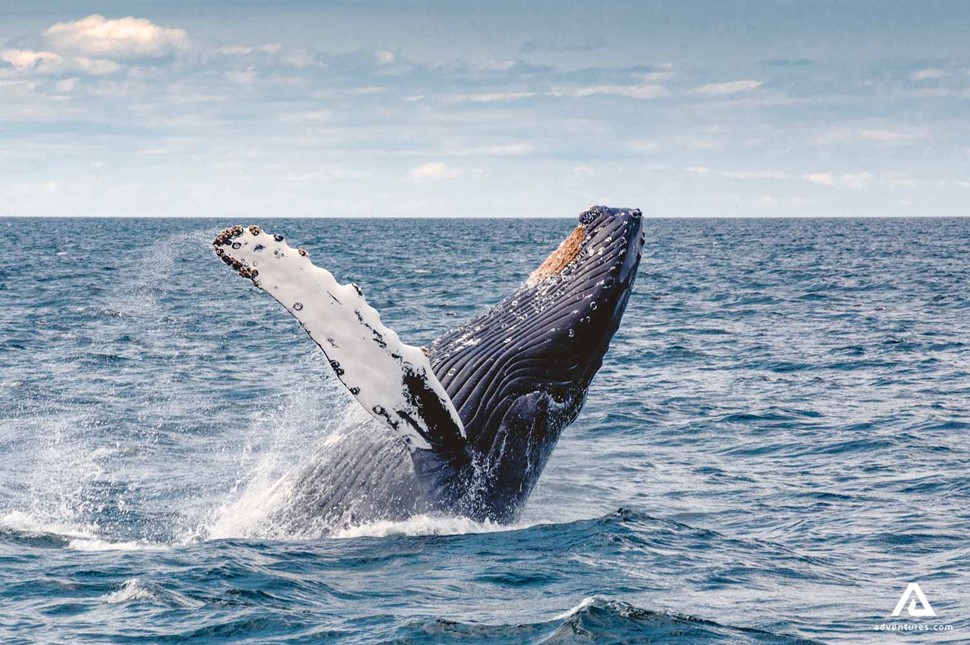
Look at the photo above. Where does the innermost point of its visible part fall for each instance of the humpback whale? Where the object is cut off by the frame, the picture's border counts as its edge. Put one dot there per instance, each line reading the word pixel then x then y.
pixel 465 425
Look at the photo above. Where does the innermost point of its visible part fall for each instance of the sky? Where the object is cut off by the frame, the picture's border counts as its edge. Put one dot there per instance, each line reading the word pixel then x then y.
pixel 484 109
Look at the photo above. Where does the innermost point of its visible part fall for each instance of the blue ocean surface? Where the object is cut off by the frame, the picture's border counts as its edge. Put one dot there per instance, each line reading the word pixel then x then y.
pixel 776 446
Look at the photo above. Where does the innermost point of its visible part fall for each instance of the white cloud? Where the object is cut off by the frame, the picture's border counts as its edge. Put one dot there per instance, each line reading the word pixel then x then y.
pixel 929 74
pixel 45 62
pixel 490 97
pixel 385 57
pixel 629 91
pixel 820 178
pixel 584 171
pixel 965 184
pixel 697 170
pixel 878 135
pixel 658 77
pixel 755 174
pixel 25 59
pixel 243 50
pixel 98 35
pixel 434 171
pixel 723 89
pixel 66 85
pixel 96 66
pixel 856 180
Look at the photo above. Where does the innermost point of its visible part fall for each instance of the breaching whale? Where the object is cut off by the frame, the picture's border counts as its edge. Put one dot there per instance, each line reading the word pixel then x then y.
pixel 466 425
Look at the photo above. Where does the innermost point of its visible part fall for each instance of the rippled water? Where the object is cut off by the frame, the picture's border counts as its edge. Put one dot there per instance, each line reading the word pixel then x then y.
pixel 775 447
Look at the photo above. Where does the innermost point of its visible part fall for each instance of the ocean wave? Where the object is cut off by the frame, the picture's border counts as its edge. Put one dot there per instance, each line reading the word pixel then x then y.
pixel 598 619
pixel 79 537
pixel 138 590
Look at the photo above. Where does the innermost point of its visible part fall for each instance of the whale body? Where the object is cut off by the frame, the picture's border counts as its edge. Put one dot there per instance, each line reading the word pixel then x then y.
pixel 466 425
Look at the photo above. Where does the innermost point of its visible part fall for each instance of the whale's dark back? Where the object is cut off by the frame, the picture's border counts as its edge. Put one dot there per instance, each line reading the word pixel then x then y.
pixel 518 374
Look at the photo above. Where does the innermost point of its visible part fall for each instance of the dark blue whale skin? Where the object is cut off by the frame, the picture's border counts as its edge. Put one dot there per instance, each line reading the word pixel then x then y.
pixel 518 374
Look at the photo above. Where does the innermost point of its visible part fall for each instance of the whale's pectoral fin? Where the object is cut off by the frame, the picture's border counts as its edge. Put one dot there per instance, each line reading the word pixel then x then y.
pixel 392 380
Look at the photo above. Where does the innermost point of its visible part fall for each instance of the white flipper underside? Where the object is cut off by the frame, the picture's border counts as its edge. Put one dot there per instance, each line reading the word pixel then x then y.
pixel 392 380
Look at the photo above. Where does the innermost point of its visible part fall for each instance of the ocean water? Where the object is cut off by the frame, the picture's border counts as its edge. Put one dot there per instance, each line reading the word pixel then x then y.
pixel 776 446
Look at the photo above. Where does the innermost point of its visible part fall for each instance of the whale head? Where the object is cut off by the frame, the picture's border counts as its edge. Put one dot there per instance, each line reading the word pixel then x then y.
pixel 518 374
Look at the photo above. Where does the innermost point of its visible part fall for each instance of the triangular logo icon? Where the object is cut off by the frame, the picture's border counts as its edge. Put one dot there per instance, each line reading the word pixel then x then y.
pixel 921 610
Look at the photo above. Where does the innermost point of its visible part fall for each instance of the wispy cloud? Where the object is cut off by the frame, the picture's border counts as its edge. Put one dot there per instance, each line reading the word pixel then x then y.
pixel 245 50
pixel 499 150
pixel 487 97
pixel 755 174
pixel 857 179
pixel 890 136
pixel 820 178
pixel 50 63
pixel 729 87
pixel 435 171
pixel 385 57
pixel 648 91
pixel 929 74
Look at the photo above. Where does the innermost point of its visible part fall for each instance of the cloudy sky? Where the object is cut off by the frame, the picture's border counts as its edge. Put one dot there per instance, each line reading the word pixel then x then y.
pixel 537 108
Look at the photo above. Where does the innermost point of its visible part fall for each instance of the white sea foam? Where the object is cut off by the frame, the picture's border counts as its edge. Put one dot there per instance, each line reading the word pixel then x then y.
pixel 586 602
pixel 97 544
pixel 133 589
pixel 425 525
pixel 136 589
pixel 32 525
pixel 77 537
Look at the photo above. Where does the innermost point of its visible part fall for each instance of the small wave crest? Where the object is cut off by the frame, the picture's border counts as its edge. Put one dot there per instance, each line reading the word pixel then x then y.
pixel 138 590
pixel 77 537
pixel 603 619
